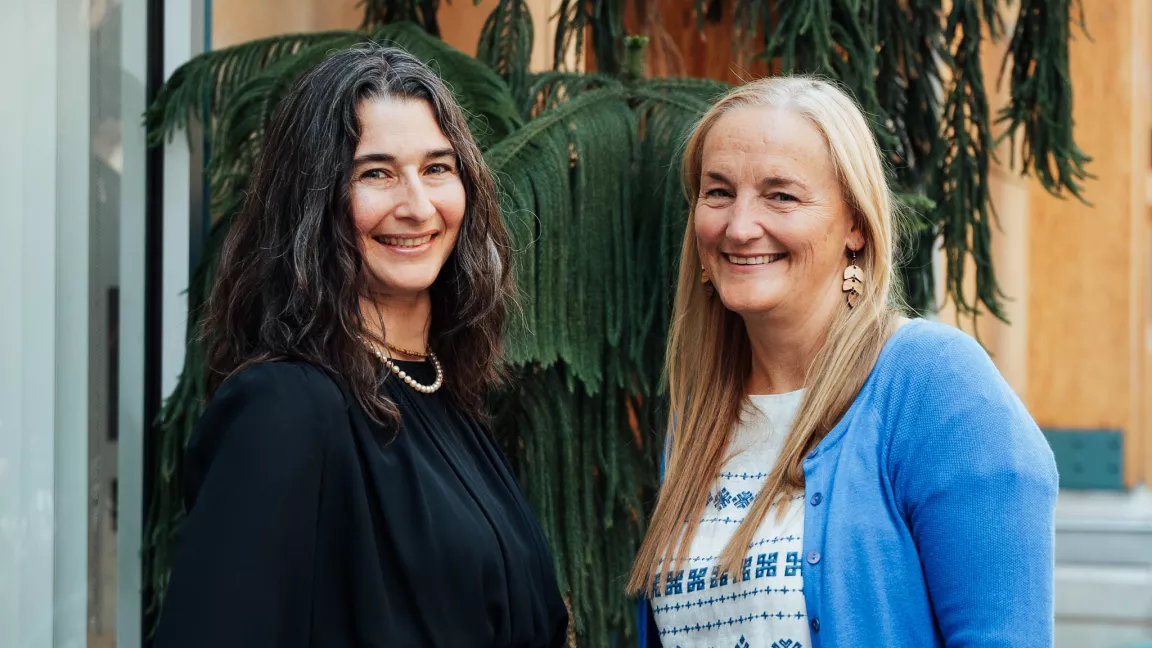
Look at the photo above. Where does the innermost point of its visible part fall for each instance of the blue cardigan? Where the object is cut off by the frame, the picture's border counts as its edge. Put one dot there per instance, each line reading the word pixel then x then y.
pixel 930 508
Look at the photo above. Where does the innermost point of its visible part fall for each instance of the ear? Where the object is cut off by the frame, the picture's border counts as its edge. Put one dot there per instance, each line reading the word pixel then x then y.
pixel 855 238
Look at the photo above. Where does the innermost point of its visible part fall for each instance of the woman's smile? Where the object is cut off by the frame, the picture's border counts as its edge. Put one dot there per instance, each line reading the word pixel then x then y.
pixel 406 244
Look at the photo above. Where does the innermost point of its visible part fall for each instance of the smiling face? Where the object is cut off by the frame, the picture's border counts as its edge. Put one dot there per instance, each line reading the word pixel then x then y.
pixel 772 226
pixel 407 196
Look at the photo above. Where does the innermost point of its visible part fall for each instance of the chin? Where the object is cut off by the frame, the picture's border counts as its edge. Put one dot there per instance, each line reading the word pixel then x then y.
pixel 405 285
pixel 744 304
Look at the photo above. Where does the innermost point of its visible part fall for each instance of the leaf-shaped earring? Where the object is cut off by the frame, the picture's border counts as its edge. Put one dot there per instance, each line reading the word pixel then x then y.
pixel 853 281
pixel 706 280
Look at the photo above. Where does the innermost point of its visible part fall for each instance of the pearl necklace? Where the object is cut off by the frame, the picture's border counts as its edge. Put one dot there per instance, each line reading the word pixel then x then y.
pixel 423 389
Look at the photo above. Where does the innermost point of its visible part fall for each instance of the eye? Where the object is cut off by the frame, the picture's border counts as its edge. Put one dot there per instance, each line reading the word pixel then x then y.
pixel 718 193
pixel 373 174
pixel 437 169
pixel 779 195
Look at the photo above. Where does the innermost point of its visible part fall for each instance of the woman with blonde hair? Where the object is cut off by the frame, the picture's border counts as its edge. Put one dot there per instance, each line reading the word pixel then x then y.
pixel 836 474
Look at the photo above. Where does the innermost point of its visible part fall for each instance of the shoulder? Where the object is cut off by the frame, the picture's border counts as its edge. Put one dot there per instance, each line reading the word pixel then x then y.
pixel 295 384
pixel 291 405
pixel 947 408
pixel 931 364
pixel 919 342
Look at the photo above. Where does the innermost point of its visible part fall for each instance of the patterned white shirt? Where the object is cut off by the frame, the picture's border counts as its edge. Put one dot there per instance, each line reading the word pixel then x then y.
pixel 697 607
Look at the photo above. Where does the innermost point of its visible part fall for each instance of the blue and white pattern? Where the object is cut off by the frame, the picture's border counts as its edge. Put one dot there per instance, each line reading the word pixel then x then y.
pixel 699 607
pixel 780 643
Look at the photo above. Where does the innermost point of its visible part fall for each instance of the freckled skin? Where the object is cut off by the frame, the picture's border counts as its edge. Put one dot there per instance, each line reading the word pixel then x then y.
pixel 769 186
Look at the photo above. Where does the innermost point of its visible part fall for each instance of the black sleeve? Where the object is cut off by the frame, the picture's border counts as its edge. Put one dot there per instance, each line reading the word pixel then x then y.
pixel 244 565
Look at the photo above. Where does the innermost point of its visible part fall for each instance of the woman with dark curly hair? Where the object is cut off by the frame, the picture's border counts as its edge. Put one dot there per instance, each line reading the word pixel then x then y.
pixel 342 489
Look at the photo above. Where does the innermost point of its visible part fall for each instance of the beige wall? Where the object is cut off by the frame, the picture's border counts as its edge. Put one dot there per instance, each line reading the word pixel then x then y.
pixel 1089 266
pixel 1077 277
pixel 237 21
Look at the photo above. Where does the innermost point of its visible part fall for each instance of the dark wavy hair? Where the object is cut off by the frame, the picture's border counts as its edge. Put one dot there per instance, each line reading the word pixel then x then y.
pixel 291 270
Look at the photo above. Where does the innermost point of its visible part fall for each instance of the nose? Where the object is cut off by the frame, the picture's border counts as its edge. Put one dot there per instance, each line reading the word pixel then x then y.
pixel 743 225
pixel 415 202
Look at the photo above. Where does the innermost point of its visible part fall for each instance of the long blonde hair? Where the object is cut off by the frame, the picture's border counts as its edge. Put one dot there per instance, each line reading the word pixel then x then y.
pixel 709 355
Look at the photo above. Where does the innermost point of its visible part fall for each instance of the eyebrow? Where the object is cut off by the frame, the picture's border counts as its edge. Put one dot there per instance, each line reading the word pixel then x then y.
pixel 387 158
pixel 765 184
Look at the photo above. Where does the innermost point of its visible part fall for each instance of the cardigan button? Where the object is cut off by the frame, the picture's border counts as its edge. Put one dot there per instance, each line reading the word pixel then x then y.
pixel 813 557
pixel 815 625
pixel 816 499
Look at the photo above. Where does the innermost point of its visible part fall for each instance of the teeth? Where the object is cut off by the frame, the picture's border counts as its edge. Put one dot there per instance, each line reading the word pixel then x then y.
pixel 756 260
pixel 404 242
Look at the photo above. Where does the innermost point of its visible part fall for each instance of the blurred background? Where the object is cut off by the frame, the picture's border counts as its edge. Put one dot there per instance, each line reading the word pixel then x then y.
pixel 102 236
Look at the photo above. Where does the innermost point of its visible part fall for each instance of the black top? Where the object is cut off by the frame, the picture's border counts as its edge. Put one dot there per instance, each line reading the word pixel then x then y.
pixel 309 525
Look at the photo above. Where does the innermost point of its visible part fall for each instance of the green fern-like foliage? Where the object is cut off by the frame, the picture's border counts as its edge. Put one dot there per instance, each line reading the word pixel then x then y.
pixel 506 43
pixel 389 12
pixel 960 182
pixel 588 165
pixel 203 86
pixel 1039 55
pixel 593 198
pixel 576 260
pixel 603 20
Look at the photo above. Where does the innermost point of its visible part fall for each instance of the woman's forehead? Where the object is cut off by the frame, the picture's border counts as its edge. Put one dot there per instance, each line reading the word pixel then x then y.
pixel 399 127
pixel 767 141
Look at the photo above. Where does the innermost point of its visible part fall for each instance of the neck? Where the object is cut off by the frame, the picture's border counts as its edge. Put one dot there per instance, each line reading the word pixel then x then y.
pixel 400 321
pixel 784 345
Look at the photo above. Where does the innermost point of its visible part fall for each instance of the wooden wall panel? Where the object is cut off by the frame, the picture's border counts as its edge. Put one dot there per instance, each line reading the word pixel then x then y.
pixel 1080 259
pixel 1144 470
pixel 1139 459
pixel 678 48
